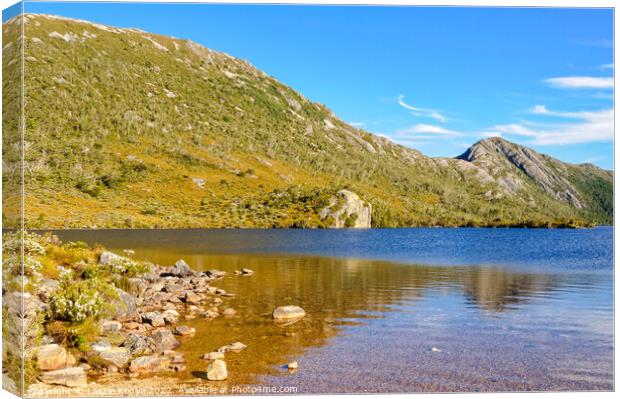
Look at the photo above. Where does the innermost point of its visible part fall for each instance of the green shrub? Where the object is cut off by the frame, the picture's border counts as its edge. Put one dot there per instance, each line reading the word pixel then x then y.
pixel 76 300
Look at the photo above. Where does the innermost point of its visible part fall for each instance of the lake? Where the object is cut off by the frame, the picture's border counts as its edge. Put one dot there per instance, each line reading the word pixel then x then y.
pixel 400 310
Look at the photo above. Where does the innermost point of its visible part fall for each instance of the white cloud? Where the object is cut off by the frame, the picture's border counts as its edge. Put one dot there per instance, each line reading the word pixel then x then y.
pixel 431 131
pixel 431 113
pixel 590 126
pixel 356 124
pixel 514 129
pixel 594 126
pixel 539 109
pixel 607 66
pixel 581 82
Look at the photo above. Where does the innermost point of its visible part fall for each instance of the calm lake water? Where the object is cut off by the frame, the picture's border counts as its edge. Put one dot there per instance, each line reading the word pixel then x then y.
pixel 505 309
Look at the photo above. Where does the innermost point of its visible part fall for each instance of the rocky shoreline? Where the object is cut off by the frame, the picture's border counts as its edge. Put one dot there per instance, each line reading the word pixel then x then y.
pixel 138 338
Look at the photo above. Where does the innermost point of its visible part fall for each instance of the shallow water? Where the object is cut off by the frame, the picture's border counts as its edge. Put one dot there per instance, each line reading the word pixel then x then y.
pixel 505 309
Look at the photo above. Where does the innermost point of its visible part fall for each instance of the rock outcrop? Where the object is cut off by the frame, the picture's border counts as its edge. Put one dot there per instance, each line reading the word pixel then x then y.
pixel 347 209
pixel 510 164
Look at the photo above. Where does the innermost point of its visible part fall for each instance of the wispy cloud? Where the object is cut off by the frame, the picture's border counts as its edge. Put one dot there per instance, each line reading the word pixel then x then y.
pixel 605 43
pixel 513 129
pixel 356 124
pixel 422 130
pixel 431 113
pixel 581 82
pixel 607 66
pixel 593 126
pixel 589 126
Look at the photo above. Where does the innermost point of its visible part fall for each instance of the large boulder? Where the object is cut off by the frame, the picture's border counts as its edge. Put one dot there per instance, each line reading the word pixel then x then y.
pixel 217 371
pixel 69 377
pixel 347 209
pixel 52 357
pixel 287 313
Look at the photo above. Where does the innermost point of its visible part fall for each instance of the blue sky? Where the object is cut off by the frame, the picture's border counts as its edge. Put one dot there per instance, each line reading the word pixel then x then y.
pixel 435 79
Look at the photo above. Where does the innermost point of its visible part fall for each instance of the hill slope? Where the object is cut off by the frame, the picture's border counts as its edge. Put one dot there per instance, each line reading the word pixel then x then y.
pixel 130 129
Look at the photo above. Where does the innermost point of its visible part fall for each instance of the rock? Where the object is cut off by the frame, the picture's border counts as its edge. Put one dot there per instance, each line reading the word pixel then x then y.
pixel 153 318
pixel 178 367
pixel 234 347
pixel 100 345
pixel 148 364
pixel 180 269
pixel 51 357
pixel 352 211
pixel 184 330
pixel 228 312
pixel 210 314
pixel 110 326
pixel 292 365
pixel 217 370
pixel 171 316
pixel 116 356
pixel 165 340
pixel 288 312
pixel 191 298
pixel 136 286
pixel 108 257
pixel 69 377
pixel 126 307
pixel 213 355
pixel 175 357
pixel 9 385
pixel 139 345
pixel 214 273
pixel 247 272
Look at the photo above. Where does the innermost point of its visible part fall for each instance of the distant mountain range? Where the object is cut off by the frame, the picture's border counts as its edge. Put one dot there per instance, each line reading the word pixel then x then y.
pixel 130 129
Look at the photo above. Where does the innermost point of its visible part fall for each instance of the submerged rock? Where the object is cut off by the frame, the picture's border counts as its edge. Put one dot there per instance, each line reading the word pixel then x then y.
pixel 289 312
pixel 234 347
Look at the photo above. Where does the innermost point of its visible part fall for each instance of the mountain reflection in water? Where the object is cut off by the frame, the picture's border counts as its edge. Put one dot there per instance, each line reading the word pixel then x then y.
pixel 371 325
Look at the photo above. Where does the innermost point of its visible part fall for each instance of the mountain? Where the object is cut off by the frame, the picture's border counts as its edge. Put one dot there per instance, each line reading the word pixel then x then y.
pixel 130 129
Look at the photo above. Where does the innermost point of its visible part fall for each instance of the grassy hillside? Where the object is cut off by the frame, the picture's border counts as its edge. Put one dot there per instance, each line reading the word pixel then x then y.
pixel 130 129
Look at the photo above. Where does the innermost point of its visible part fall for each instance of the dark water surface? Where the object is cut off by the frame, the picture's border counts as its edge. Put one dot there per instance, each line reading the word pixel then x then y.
pixel 505 309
